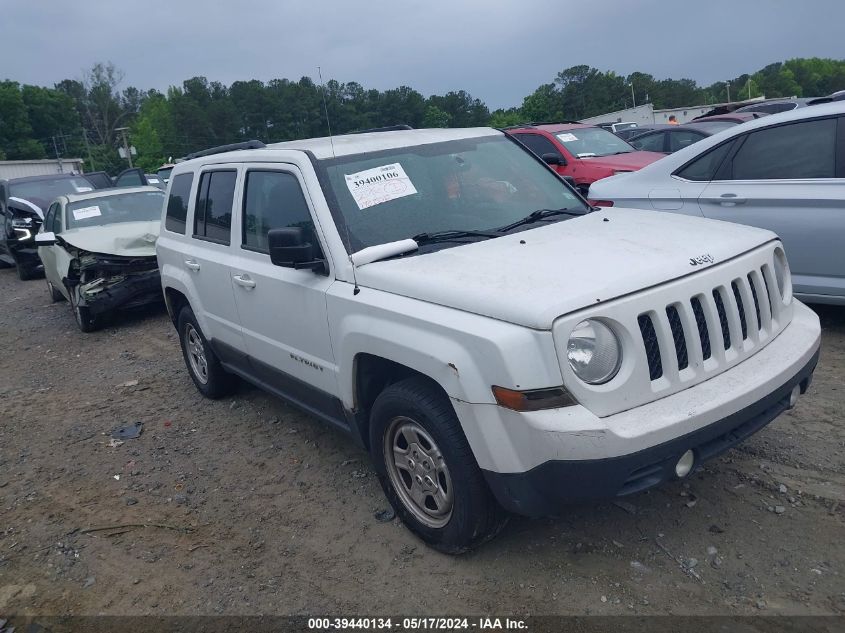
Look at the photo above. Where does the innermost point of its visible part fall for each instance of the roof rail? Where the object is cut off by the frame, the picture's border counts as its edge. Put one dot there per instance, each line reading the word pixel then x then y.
pixel 387 128
pixel 538 123
pixel 231 147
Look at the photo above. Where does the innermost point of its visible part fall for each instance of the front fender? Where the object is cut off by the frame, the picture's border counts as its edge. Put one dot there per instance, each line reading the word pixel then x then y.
pixel 465 353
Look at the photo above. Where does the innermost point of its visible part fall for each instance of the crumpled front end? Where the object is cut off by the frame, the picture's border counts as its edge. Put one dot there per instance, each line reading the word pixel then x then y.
pixel 20 239
pixel 109 282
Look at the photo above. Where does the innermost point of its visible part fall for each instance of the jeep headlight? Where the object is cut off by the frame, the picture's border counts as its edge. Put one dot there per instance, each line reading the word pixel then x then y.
pixel 594 352
pixel 21 223
pixel 782 275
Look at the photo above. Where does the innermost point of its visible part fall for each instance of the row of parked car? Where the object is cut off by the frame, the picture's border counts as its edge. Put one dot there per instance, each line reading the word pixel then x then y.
pixel 446 298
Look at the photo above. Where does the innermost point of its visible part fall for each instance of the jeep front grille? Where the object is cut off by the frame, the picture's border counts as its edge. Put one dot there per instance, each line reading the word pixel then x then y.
pixel 723 314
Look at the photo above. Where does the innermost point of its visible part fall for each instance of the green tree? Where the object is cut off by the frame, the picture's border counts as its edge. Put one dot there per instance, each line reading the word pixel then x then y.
pixel 16 140
pixel 435 117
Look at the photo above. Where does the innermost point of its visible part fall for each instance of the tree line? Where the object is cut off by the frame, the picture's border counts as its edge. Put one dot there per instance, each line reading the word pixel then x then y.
pixel 85 117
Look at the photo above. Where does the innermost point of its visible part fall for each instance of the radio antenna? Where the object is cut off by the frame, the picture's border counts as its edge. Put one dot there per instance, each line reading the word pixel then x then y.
pixel 356 289
pixel 326 108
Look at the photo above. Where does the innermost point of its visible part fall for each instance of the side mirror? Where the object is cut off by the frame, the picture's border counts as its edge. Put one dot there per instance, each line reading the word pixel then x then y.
pixel 289 249
pixel 553 158
pixel 45 239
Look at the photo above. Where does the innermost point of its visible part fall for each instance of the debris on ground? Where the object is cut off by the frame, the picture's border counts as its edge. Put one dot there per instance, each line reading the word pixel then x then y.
pixel 385 516
pixel 128 383
pixel 128 432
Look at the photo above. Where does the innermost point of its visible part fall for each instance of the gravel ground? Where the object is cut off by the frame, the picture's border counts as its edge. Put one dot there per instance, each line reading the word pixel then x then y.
pixel 247 506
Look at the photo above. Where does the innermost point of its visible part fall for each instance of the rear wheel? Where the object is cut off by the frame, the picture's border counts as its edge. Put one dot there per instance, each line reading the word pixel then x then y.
pixel 206 371
pixel 427 469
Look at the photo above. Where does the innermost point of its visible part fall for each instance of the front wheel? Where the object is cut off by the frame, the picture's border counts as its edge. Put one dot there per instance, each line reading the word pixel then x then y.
pixel 86 321
pixel 55 295
pixel 25 274
pixel 427 469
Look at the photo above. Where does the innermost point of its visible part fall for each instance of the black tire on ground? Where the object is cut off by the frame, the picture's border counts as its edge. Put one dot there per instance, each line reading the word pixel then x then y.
pixel 417 408
pixel 55 295
pixel 86 321
pixel 5 264
pixel 203 365
pixel 25 274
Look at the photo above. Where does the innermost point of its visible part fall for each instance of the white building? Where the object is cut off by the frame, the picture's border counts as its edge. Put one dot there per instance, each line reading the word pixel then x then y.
pixel 23 168
pixel 646 114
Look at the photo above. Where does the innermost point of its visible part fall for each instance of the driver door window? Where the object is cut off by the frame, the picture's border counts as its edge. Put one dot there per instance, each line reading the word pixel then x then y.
pixel 273 200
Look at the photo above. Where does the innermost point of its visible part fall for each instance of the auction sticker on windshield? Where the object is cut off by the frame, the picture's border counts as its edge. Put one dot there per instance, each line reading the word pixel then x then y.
pixel 567 137
pixel 86 212
pixel 379 184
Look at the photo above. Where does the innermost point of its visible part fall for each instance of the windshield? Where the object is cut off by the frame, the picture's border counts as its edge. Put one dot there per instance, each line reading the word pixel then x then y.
pixel 463 185
pixel 139 206
pixel 164 173
pixel 587 142
pixel 43 192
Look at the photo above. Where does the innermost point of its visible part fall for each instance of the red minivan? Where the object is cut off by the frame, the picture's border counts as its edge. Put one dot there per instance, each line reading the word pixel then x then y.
pixel 585 152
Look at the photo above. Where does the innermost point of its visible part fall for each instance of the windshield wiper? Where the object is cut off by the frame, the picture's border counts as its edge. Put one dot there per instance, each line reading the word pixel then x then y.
pixel 446 236
pixel 536 216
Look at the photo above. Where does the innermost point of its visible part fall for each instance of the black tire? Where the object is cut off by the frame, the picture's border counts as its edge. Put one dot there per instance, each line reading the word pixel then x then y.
pixel 25 274
pixel 216 382
pixel 86 321
pixel 475 515
pixel 55 295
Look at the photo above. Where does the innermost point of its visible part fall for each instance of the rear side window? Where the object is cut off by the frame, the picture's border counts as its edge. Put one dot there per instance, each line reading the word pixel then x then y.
pixel 273 200
pixel 538 144
pixel 703 168
pixel 177 203
pixel 130 178
pixel 649 142
pixel 213 214
pixel 798 150
pixel 683 138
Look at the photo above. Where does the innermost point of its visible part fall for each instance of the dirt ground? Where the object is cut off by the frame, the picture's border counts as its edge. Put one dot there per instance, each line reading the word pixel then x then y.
pixel 252 507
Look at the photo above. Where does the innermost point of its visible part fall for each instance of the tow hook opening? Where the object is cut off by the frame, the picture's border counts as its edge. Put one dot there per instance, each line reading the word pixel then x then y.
pixel 685 464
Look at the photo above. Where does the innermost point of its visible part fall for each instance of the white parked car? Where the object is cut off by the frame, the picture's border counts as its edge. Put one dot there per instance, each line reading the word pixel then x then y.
pixel 98 251
pixel 784 172
pixel 495 344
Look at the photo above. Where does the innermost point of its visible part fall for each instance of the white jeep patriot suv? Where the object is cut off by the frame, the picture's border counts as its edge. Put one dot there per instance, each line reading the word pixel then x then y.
pixel 493 342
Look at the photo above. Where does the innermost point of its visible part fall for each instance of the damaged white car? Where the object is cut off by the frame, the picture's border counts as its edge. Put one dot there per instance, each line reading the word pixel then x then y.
pixel 98 251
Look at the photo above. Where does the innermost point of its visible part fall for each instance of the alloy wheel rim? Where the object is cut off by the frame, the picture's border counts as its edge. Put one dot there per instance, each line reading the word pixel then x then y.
pixel 418 471
pixel 196 353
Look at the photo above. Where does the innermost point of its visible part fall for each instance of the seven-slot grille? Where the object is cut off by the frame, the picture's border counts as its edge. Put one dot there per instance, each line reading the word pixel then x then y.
pixel 709 326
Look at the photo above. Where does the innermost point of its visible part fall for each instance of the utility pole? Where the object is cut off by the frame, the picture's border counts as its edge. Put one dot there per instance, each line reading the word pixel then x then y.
pixel 633 98
pixel 58 159
pixel 122 131
pixel 728 86
pixel 88 148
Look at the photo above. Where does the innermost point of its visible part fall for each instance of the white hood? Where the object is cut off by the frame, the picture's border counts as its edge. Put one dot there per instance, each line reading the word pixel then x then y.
pixel 128 239
pixel 564 266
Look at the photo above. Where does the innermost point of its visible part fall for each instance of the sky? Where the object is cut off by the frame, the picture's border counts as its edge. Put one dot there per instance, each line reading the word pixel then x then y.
pixel 498 51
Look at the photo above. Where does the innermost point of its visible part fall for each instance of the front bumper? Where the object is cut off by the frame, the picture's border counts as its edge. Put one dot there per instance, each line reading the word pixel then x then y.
pixel 137 289
pixel 25 254
pixel 536 462
pixel 546 488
